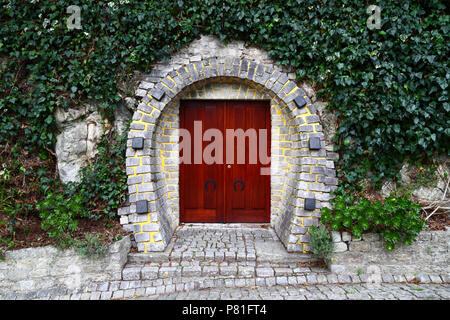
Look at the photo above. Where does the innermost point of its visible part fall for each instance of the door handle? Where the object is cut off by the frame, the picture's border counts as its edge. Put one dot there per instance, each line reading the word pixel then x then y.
pixel 236 181
pixel 213 182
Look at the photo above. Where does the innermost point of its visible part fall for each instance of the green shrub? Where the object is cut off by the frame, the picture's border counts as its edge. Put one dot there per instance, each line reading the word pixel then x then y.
pixel 322 245
pixel 59 214
pixel 91 247
pixel 396 219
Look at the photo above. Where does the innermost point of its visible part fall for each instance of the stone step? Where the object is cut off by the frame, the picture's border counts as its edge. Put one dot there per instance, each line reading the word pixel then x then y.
pixel 218 256
pixel 155 271
pixel 135 288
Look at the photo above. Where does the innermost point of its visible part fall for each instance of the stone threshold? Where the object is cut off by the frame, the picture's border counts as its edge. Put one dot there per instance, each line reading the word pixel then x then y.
pixel 256 242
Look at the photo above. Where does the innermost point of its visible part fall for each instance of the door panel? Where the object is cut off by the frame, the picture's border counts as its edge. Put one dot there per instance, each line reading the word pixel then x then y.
pixel 201 187
pixel 247 201
pixel 228 192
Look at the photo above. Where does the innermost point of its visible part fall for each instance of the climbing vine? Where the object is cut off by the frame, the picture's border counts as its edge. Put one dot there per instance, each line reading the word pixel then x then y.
pixel 388 86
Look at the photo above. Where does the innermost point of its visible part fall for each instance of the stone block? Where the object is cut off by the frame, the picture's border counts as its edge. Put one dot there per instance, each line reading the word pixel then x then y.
pixel 157 94
pixel 340 247
pixel 131 274
pixel 359 246
pixel 142 237
pixel 141 206
pixel 137 143
pixel 371 237
pixel 346 236
pixel 310 204
pixel 300 102
pixel 265 272
pixel 314 143
pixel 336 236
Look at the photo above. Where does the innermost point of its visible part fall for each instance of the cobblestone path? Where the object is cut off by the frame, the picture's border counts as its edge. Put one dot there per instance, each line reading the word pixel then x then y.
pixel 385 291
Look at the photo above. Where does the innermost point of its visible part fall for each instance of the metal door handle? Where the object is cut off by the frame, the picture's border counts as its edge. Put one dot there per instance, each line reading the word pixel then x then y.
pixel 236 181
pixel 213 182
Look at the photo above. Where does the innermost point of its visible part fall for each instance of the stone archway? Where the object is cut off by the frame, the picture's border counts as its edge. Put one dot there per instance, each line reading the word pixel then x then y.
pixel 302 171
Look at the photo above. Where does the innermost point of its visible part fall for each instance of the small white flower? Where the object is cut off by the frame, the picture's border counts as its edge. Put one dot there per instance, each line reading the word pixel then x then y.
pixel 45 23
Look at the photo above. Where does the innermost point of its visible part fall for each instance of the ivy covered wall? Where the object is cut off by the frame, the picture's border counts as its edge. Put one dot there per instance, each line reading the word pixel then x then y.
pixel 387 86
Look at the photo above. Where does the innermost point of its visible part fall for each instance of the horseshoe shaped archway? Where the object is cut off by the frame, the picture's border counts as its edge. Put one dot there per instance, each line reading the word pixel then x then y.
pixel 302 171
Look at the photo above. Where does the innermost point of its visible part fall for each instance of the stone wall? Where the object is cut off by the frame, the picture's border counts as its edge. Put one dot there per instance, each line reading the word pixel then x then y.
pixel 34 272
pixel 428 254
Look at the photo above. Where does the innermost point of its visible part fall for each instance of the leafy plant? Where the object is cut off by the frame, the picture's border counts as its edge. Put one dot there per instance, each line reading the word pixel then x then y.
pixel 59 215
pixel 322 245
pixel 91 247
pixel 397 219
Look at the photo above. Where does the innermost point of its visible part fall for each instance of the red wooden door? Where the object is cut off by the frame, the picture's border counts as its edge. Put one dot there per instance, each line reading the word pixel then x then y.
pixel 233 190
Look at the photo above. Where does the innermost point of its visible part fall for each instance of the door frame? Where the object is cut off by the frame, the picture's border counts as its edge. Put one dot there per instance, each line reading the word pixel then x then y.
pixel 224 209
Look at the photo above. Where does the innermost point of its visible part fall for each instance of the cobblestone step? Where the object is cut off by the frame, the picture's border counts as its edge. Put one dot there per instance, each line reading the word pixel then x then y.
pixel 133 283
pixel 139 288
pixel 388 291
pixel 212 269
pixel 214 256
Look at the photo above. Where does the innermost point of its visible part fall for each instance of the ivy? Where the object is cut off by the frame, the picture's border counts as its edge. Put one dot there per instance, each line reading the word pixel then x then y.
pixel 388 87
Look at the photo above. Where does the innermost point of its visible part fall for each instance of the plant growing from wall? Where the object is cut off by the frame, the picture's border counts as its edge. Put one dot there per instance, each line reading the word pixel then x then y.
pixel 59 213
pixel 397 219
pixel 91 247
pixel 104 181
pixel 322 245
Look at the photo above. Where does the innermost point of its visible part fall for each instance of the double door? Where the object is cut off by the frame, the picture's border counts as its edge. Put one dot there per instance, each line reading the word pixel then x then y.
pixel 225 154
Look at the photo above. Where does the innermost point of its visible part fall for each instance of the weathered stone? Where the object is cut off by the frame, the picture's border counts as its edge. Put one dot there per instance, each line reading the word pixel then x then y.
pixel 340 247
pixel 359 246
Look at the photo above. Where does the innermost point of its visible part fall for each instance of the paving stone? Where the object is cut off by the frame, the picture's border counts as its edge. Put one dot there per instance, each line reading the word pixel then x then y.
pixel 106 295
pixel 191 271
pixel 228 270
pixel 103 286
pixel 95 295
pixel 118 294
pixel 246 271
pixel 129 293
pixel 281 281
pixel 423 278
pixel 265 272
pixel 311 278
pixel 435 278
pixel 150 291
pixel 301 279
pixel 231 279
pixel 387 277
pixel 270 281
pixel 131 273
